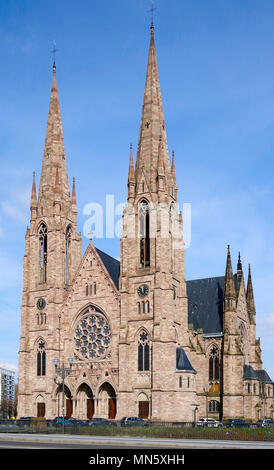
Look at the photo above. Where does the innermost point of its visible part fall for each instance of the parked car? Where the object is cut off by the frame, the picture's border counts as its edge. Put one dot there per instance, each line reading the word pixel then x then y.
pixel 265 423
pixel 100 422
pixel 24 421
pixel 68 421
pixel 209 423
pixel 236 423
pixel 133 421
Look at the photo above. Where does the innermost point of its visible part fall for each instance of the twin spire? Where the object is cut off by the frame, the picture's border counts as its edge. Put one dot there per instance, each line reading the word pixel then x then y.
pixel 232 287
pixel 152 152
pixel 54 184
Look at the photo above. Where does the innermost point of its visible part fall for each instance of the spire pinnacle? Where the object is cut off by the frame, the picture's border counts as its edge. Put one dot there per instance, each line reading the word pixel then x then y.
pixel 240 274
pixel 73 197
pixel 54 152
pixel 33 191
pixel 131 176
pixel 229 287
pixel 239 265
pixel 173 172
pixel 152 125
pixel 250 297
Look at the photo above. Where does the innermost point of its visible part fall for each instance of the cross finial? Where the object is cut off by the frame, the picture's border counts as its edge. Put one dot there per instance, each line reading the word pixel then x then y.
pixel 90 235
pixel 152 10
pixel 54 50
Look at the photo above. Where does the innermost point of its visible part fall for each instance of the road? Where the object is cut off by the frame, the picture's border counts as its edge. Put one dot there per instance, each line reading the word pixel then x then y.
pixel 58 441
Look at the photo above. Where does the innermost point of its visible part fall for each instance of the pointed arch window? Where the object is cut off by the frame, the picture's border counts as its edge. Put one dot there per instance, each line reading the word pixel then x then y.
pixel 143 352
pixel 144 234
pixel 214 364
pixel 67 254
pixel 43 252
pixel 41 359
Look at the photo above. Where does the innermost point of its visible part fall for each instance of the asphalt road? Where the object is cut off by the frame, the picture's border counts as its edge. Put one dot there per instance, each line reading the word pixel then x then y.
pixel 57 441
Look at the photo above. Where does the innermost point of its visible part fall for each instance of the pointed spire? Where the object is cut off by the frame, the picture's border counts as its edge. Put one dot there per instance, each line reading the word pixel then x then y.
pixel 33 191
pixel 239 265
pixel 240 274
pixel 131 175
pixel 250 297
pixel 173 172
pixel 73 197
pixel 54 151
pixel 229 287
pixel 33 201
pixel 152 124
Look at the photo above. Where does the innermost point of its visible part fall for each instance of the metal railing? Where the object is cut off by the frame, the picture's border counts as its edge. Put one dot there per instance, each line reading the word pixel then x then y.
pixel 175 430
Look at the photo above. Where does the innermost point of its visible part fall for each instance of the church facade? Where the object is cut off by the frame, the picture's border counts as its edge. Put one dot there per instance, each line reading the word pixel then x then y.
pixel 131 338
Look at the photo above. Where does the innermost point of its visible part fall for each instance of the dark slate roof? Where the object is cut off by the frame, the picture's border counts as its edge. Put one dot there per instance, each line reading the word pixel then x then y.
pixel 261 375
pixel 182 361
pixel 112 265
pixel 205 303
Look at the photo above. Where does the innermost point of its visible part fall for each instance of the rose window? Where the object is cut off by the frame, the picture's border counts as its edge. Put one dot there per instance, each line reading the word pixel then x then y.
pixel 92 336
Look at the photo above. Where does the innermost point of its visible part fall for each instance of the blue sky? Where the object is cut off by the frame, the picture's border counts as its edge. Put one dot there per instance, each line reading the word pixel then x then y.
pixel 216 71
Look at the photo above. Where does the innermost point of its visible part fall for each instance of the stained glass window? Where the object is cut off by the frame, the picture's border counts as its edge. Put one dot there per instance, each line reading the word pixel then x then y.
pixel 143 352
pixel 41 358
pixel 214 364
pixel 92 336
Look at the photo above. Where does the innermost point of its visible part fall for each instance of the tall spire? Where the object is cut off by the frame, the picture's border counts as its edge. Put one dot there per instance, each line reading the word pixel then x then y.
pixel 229 287
pixel 73 197
pixel 131 177
pixel 33 191
pixel 54 151
pixel 173 168
pixel 250 297
pixel 152 124
pixel 33 201
pixel 240 274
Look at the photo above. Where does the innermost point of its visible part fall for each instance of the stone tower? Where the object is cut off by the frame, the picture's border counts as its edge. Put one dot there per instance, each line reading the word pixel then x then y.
pixel 152 278
pixel 52 255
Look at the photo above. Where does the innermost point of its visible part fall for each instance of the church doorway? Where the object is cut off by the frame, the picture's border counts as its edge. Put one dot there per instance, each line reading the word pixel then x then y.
pixel 41 407
pixel 107 401
pixel 68 404
pixel 85 402
pixel 143 406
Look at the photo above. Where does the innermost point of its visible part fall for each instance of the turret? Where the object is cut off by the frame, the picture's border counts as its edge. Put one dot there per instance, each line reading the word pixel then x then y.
pixel 250 298
pixel 131 177
pixel 33 203
pixel 229 288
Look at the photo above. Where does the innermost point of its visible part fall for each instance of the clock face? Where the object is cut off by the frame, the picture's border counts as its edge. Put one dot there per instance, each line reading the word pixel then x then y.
pixel 41 303
pixel 142 290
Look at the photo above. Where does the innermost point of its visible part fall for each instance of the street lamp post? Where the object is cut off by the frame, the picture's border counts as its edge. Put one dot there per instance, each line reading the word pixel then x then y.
pixel 63 372
pixel 206 394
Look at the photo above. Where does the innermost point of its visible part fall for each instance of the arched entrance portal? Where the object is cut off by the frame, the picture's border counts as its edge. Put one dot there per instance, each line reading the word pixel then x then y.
pixel 107 401
pixel 85 402
pixel 143 406
pixel 40 406
pixel 68 408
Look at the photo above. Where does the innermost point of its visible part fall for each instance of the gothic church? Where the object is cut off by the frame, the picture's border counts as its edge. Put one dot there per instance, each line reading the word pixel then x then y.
pixel 132 338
